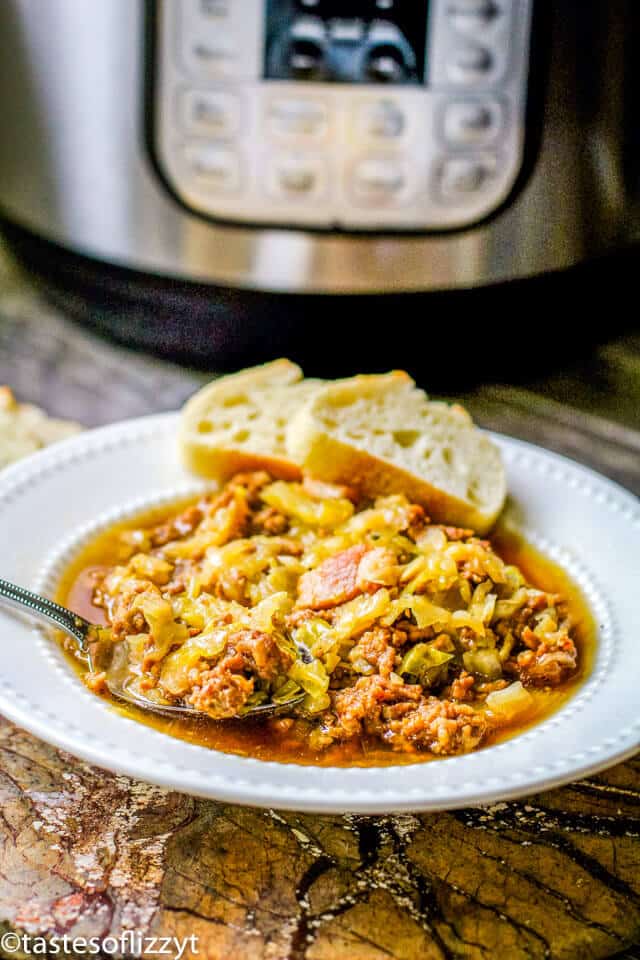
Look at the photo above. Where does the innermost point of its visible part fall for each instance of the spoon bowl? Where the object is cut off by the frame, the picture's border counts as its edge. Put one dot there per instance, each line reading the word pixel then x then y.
pixel 102 655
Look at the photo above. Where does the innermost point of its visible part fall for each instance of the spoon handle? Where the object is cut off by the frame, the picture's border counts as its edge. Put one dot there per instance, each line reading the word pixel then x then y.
pixel 43 609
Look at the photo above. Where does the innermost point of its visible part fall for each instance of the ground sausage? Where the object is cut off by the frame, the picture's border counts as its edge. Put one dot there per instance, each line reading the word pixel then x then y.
pixel 401 715
pixel 546 666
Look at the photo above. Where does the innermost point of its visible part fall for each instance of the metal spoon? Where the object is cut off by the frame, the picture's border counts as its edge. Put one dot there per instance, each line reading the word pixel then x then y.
pixel 102 654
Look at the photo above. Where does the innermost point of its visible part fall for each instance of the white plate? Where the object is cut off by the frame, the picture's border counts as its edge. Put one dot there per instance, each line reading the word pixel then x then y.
pixel 52 501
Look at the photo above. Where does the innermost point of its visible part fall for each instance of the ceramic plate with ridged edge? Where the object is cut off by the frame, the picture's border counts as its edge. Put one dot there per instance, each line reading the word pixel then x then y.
pixel 52 502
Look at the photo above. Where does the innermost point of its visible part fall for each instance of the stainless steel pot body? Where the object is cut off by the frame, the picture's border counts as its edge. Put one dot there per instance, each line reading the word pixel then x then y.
pixel 76 164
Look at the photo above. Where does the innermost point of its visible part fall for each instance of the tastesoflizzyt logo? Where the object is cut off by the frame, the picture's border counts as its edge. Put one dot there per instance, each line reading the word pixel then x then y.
pixel 129 943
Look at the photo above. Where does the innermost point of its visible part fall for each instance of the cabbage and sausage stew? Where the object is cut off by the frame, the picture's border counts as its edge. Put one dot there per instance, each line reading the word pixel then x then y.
pixel 406 639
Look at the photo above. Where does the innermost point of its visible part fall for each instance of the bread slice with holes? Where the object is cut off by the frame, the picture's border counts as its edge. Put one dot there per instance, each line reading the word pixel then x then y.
pixel 238 422
pixel 382 434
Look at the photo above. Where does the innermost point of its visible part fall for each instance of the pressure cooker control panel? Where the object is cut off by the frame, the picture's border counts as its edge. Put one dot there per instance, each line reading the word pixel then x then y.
pixel 352 114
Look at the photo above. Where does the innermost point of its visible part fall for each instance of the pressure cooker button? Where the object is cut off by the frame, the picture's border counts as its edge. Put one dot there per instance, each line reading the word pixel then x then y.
pixel 209 112
pixel 468 122
pixel 296 175
pixel 469 16
pixel 216 9
pixel 306 59
pixel 382 120
pixel 386 64
pixel 465 176
pixel 289 117
pixel 471 63
pixel 215 58
pixel 216 168
pixel 379 180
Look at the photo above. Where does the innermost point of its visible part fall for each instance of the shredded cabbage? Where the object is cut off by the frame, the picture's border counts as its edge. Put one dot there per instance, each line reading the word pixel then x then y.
pixel 272 608
pixel 357 615
pixel 312 677
pixel 426 663
pixel 484 661
pixel 293 501
pixel 164 631
pixel 177 665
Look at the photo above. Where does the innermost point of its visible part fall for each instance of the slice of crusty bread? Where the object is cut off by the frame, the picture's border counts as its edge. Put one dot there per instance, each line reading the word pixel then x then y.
pixel 238 422
pixel 25 428
pixel 383 435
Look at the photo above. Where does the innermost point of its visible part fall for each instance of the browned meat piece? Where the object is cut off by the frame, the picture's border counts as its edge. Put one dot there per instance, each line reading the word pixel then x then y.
pixel 414 634
pixel 181 526
pixel 439 726
pixel 228 510
pixel 472 568
pixel 462 687
pixel 538 602
pixel 328 491
pixel 401 715
pixel 261 654
pixel 547 665
pixel 124 621
pixel 334 581
pixel 96 681
pixel 358 708
pixel 455 533
pixel 298 617
pixel 377 648
pixel 269 521
pixel 188 520
pixel 162 534
pixel 221 695
pixel 485 687
pixel 521 622
pixel 222 690
pixel 529 638
pixel 442 642
pixel 417 520
pixel 177 585
pixel 253 483
pixel 287 546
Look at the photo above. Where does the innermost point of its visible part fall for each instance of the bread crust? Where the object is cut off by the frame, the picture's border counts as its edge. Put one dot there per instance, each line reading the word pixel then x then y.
pixel 314 448
pixel 325 456
pixel 335 462
pixel 221 463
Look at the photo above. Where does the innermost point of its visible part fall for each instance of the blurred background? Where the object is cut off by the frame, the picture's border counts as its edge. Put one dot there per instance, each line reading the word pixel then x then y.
pixel 448 186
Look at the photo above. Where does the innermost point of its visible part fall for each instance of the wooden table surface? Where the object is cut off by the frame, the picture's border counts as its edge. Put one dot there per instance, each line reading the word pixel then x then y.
pixel 88 853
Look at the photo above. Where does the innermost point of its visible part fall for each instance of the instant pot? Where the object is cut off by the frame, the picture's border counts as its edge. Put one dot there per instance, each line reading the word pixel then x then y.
pixel 208 177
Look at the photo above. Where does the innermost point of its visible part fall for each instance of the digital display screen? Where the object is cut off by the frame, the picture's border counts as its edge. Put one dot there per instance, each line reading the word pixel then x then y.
pixel 346 41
